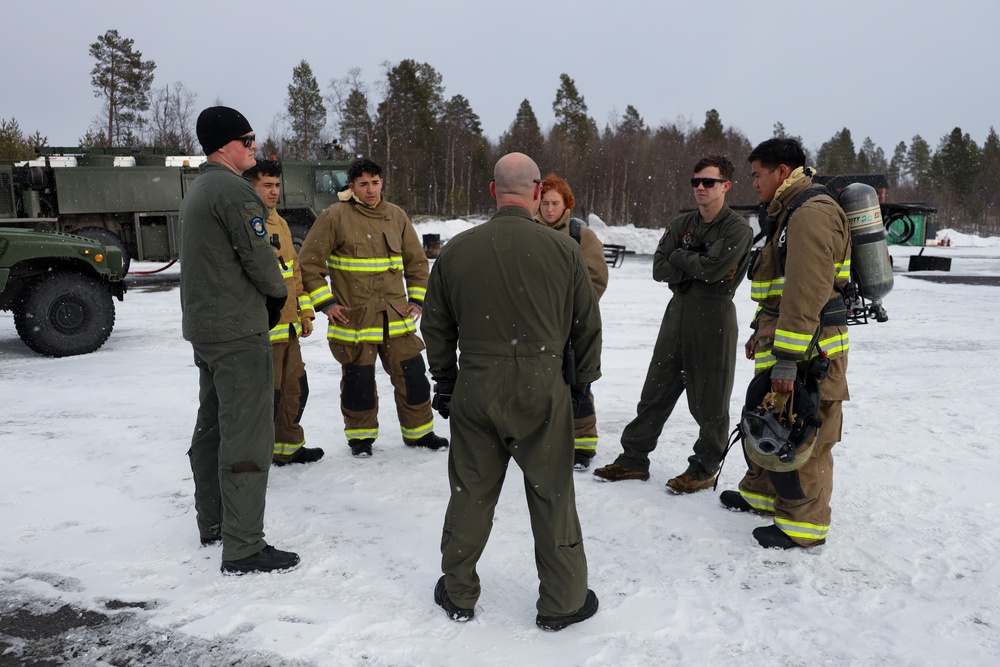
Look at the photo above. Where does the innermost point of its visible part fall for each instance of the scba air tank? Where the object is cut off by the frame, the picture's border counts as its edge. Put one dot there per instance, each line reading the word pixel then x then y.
pixel 870 264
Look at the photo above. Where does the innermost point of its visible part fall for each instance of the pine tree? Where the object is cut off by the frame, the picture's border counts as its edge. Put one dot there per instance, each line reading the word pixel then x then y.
pixel 713 129
pixel 918 162
pixel 524 134
pixel 356 125
pixel 14 145
pixel 897 166
pixel 123 79
pixel 837 156
pixel 306 113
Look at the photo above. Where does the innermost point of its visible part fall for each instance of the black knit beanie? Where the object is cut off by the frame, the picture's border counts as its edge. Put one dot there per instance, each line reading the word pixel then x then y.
pixel 217 126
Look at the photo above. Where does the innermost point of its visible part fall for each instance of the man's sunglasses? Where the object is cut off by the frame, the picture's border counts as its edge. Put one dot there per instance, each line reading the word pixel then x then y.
pixel 250 138
pixel 706 182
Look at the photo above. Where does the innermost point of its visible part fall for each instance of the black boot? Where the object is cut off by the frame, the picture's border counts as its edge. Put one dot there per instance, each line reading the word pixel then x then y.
pixel 214 535
pixel 302 455
pixel 267 559
pixel 454 612
pixel 361 447
pixel 734 501
pixel 430 441
pixel 555 623
pixel 772 537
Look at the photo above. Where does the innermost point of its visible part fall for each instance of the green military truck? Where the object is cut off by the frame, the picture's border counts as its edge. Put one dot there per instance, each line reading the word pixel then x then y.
pixel 59 288
pixel 130 198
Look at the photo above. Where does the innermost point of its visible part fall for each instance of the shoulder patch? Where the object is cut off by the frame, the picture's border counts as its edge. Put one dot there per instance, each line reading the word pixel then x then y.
pixel 257 224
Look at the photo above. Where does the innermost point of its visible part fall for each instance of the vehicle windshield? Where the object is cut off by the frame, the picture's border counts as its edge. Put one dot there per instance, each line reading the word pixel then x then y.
pixel 330 181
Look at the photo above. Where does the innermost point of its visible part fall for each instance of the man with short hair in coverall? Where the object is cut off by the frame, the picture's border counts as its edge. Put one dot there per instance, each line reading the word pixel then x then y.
pixel 797 281
pixel 367 247
pixel 509 294
pixel 291 387
pixel 231 295
pixel 702 257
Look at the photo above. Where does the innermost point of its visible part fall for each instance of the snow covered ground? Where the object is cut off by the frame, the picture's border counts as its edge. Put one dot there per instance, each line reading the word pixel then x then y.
pixel 96 505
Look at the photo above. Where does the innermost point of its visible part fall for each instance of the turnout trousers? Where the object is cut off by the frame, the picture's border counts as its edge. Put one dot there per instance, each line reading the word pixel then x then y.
pixel 800 499
pixel 695 352
pixel 231 447
pixel 291 391
pixel 401 359
pixel 519 408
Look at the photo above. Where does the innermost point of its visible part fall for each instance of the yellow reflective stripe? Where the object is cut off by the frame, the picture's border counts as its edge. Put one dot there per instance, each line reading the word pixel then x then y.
pixel 762 360
pixel 286 272
pixel 367 264
pixel 836 344
pixel 791 341
pixel 801 529
pixel 762 289
pixel 305 303
pixel 401 327
pixel 416 293
pixel 354 336
pixel 357 433
pixel 843 269
pixel 586 444
pixel 287 448
pixel 759 501
pixel 418 432
pixel 278 334
pixel 320 296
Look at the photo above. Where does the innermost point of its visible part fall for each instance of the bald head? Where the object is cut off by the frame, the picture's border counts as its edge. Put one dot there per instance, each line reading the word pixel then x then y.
pixel 515 182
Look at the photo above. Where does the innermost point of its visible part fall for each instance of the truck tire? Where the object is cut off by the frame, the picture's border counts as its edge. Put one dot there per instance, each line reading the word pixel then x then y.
pixel 65 313
pixel 107 237
pixel 299 233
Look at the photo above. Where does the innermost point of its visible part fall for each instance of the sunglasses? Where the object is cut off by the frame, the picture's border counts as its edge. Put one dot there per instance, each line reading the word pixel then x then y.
pixel 706 182
pixel 249 139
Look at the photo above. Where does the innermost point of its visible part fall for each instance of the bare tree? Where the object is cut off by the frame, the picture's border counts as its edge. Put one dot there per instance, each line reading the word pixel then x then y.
pixel 172 118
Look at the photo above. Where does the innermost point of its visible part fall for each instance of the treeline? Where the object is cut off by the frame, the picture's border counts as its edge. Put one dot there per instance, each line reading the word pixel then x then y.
pixel 439 162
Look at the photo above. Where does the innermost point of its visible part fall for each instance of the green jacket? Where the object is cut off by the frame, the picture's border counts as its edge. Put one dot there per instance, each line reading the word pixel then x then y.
pixel 511 289
pixel 227 263
pixel 727 241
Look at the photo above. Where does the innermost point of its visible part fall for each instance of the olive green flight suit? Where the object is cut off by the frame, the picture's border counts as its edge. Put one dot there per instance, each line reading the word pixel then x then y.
pixel 227 269
pixel 695 349
pixel 508 295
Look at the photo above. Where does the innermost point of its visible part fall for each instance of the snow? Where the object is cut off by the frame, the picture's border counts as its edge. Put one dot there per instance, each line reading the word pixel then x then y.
pixel 96 505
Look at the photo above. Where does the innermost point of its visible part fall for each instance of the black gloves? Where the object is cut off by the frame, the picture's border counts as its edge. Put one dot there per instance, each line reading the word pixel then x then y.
pixel 580 395
pixel 442 403
pixel 274 304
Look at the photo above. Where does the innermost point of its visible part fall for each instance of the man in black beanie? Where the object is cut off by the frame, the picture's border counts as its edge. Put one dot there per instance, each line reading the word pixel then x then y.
pixel 230 289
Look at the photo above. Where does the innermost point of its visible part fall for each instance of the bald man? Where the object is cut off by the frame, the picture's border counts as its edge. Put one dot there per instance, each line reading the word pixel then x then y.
pixel 509 294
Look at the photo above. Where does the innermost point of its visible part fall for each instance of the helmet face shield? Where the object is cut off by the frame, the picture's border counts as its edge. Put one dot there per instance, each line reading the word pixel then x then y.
pixel 780 440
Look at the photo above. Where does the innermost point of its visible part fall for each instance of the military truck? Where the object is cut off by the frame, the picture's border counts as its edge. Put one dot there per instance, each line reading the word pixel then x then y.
pixel 130 198
pixel 60 289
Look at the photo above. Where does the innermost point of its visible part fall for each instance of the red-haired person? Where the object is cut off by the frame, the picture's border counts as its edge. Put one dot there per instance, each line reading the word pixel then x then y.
pixel 555 213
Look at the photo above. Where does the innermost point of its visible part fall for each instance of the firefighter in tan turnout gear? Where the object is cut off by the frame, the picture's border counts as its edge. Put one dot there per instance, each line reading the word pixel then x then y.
pixel 554 212
pixel 367 247
pixel 800 326
pixel 291 387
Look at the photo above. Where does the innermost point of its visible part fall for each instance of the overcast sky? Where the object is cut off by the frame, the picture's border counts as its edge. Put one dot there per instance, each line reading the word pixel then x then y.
pixel 885 69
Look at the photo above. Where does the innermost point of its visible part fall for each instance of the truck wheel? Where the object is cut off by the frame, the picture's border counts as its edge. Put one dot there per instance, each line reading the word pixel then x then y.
pixel 106 237
pixel 65 313
pixel 299 233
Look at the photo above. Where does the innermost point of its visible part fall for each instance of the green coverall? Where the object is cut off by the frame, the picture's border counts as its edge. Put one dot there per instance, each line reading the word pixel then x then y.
pixel 509 294
pixel 227 270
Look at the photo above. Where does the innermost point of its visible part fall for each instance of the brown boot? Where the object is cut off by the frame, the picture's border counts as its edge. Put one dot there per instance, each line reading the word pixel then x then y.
pixel 616 473
pixel 688 483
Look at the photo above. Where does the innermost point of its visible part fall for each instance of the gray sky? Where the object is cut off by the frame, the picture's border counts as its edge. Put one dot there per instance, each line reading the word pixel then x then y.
pixel 885 69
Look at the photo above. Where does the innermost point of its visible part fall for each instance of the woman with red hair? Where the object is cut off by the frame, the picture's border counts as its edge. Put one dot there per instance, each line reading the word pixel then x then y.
pixel 555 211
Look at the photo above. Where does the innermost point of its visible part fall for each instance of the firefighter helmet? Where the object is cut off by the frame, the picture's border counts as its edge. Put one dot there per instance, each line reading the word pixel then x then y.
pixel 779 437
